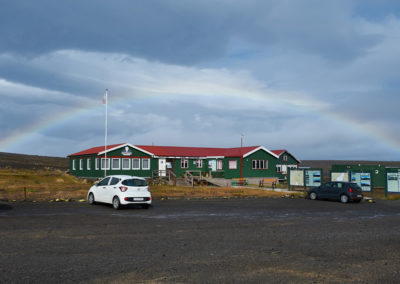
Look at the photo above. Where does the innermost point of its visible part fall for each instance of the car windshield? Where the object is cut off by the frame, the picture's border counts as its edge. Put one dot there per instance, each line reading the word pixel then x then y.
pixel 134 182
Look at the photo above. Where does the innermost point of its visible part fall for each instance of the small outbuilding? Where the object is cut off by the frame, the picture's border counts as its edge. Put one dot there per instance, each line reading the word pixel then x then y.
pixel 286 161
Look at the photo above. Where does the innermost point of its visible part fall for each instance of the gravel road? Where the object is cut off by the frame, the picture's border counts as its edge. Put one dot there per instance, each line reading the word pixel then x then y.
pixel 201 241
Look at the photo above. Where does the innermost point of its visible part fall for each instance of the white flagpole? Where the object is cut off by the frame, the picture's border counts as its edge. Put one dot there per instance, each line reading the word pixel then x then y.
pixel 105 135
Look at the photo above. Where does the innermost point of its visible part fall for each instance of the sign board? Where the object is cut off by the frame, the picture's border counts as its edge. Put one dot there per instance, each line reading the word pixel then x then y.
pixel 340 176
pixel 393 182
pixel 296 177
pixel 362 179
pixel 313 177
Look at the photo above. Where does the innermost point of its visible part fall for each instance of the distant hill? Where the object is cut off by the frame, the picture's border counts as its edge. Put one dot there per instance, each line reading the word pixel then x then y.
pixel 32 162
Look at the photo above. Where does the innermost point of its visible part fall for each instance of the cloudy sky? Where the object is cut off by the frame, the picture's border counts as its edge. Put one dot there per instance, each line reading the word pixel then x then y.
pixel 319 78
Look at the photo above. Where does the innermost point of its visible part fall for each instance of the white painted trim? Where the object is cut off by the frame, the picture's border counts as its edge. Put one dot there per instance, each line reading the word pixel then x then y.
pixel 129 163
pixel 143 168
pixel 260 148
pixel 139 164
pixel 112 164
pixel 129 145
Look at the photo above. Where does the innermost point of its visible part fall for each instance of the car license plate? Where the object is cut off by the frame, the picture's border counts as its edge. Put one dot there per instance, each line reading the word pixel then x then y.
pixel 359 195
pixel 138 199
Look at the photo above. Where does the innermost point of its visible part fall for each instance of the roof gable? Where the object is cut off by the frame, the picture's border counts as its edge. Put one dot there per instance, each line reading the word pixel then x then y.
pixel 280 152
pixel 94 150
pixel 260 148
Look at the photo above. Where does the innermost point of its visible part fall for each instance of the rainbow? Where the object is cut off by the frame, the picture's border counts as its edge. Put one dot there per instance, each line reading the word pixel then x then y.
pixel 24 135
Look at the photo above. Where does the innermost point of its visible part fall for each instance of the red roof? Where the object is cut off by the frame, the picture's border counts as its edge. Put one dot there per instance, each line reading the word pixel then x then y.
pixel 174 151
pixel 278 152
pixel 94 150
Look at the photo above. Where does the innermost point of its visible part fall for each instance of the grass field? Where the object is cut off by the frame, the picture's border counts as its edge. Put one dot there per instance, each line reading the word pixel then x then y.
pixel 46 185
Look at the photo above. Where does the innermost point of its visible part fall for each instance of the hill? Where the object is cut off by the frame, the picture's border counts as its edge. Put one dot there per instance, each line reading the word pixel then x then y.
pixel 32 162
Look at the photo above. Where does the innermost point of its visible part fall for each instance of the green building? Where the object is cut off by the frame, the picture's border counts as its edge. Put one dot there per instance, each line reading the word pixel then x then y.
pixel 144 161
pixel 378 172
pixel 286 161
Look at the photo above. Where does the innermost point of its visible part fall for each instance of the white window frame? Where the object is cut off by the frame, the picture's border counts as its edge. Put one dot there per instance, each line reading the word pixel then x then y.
pixel 129 163
pixel 147 168
pixel 74 164
pixel 220 165
pixel 259 164
pixel 88 163
pixel 278 168
pixel 106 163
pixel 232 164
pixel 184 163
pixel 285 157
pixel 96 163
pixel 81 164
pixel 112 163
pixel 138 159
pixel 199 163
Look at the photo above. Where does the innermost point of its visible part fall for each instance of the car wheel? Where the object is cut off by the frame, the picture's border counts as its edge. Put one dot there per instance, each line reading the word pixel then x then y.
pixel 145 206
pixel 116 204
pixel 344 198
pixel 313 196
pixel 91 199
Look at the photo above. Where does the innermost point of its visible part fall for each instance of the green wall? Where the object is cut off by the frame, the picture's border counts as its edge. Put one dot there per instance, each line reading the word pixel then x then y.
pixel 378 172
pixel 116 153
pixel 248 170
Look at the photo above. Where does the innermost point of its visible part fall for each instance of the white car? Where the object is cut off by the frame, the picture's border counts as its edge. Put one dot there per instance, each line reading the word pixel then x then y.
pixel 120 190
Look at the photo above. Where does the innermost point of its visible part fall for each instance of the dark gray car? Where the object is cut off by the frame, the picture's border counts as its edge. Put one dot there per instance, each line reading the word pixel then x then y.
pixel 337 190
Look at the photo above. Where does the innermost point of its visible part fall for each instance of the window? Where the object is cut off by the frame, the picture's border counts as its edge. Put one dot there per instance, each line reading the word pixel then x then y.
pixel 232 164
pixel 199 163
pixel 278 168
pixel 145 163
pixel 219 165
pixel 135 164
pixel 88 163
pixel 81 164
pixel 284 157
pixel 260 164
pixel 73 165
pixel 134 182
pixel 116 163
pixel 105 163
pixel 126 164
pixel 103 182
pixel 184 163
pixel 96 163
pixel 114 181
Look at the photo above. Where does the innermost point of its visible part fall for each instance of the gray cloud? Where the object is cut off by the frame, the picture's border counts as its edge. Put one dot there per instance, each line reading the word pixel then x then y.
pixel 179 31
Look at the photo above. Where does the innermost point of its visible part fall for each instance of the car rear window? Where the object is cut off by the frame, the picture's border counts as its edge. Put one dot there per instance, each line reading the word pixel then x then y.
pixel 134 182
pixel 355 185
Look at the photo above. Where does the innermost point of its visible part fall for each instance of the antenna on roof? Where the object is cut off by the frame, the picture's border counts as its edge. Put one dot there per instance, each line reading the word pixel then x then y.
pixel 241 140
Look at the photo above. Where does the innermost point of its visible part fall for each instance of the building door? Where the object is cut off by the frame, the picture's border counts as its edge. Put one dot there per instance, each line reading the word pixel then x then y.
pixel 162 167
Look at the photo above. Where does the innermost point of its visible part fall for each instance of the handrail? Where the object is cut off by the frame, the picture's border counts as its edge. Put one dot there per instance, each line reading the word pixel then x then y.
pixel 164 173
pixel 189 177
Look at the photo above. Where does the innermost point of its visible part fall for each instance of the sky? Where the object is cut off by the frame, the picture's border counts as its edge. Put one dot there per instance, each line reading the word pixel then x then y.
pixel 318 78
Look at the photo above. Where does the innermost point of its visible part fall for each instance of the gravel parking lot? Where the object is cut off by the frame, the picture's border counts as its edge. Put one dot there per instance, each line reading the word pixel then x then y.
pixel 201 241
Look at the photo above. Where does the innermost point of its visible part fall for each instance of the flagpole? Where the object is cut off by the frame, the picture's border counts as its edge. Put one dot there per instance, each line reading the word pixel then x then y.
pixel 105 135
